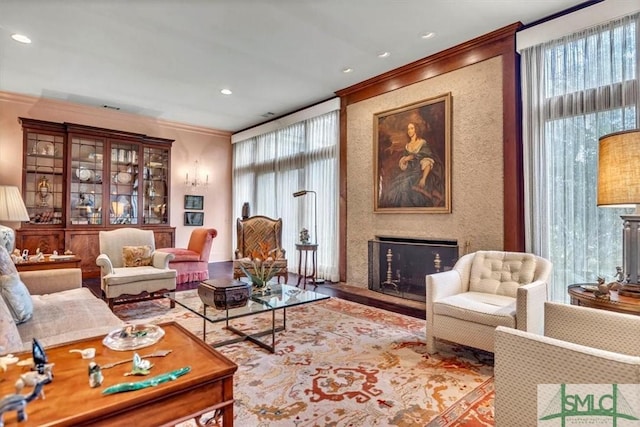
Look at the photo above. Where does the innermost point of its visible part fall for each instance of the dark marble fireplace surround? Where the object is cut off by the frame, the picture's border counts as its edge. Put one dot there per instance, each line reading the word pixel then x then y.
pixel 398 265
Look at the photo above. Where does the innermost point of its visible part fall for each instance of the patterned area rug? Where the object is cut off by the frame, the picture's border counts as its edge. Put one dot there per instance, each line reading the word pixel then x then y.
pixel 340 363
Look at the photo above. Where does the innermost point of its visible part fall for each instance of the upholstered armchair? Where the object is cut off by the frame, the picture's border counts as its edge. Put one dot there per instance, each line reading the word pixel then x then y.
pixel 130 267
pixel 580 345
pixel 257 230
pixel 486 289
pixel 192 262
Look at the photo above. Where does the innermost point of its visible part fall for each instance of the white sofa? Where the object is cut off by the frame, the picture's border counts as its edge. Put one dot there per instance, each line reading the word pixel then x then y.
pixel 580 345
pixel 62 311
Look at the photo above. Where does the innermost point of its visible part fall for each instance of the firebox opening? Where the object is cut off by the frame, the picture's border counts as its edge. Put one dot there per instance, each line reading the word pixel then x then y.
pixel 398 265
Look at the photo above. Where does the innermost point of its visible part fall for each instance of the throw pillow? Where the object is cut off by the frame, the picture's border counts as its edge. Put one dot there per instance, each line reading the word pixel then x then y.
pixel 136 256
pixel 6 263
pixel 17 297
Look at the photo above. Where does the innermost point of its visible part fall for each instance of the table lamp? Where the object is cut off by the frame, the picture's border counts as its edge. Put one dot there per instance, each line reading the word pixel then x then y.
pixel 12 209
pixel 619 186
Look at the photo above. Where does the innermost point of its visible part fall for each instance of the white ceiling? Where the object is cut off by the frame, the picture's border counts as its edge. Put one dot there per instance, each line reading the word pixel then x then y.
pixel 170 59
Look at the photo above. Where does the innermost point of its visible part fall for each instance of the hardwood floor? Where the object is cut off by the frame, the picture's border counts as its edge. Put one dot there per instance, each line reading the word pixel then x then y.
pixel 340 290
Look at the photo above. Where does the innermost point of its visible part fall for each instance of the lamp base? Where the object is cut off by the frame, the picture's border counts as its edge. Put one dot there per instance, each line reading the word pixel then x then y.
pixel 629 290
pixel 7 238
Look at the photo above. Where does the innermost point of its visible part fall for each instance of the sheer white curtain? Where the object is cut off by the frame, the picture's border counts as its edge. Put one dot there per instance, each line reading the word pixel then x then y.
pixel 574 91
pixel 269 168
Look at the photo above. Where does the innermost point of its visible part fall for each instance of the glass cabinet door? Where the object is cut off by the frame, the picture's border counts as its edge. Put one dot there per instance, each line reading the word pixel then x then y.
pixel 44 178
pixel 87 172
pixel 156 175
pixel 123 196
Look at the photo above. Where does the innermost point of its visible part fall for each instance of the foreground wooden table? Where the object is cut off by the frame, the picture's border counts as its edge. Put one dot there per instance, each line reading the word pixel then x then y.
pixel 70 401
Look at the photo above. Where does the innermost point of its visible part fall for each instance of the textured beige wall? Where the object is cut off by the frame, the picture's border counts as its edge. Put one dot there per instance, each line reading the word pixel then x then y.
pixel 477 169
pixel 211 147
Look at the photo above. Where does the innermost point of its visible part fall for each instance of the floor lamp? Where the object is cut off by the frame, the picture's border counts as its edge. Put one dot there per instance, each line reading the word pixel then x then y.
pixel 12 209
pixel 315 219
pixel 619 186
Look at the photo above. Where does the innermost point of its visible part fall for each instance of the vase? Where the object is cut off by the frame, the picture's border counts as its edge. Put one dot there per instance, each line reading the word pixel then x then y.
pixel 259 285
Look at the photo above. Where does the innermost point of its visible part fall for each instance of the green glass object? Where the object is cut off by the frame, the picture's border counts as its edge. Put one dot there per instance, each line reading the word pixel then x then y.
pixel 151 382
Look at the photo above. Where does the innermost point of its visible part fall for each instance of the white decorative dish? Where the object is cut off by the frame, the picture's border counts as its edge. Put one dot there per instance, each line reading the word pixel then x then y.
pixel 589 288
pixel 84 174
pixel 133 337
pixel 123 178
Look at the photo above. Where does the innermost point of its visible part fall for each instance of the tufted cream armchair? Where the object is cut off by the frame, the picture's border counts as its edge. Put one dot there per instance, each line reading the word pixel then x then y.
pixel 119 282
pixel 486 289
pixel 580 345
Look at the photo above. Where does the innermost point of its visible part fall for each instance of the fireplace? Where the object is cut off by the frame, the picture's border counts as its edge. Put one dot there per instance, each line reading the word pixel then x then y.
pixel 398 265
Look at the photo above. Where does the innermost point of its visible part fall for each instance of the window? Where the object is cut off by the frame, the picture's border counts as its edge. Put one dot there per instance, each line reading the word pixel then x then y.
pixel 270 167
pixel 576 90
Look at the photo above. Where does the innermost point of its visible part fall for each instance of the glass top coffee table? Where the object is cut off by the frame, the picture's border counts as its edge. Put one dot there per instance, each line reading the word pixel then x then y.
pixel 279 298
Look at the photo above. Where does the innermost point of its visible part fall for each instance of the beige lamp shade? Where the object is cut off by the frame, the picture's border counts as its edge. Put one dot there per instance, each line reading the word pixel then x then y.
pixel 11 205
pixel 12 209
pixel 619 169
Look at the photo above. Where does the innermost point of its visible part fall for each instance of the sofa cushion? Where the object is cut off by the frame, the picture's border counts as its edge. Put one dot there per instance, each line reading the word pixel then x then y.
pixel 182 255
pixel 17 297
pixel 124 275
pixel 10 340
pixel 59 316
pixel 136 256
pixel 478 307
pixel 501 273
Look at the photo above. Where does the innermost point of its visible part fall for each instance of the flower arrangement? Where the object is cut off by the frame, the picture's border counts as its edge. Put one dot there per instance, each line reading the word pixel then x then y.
pixel 258 265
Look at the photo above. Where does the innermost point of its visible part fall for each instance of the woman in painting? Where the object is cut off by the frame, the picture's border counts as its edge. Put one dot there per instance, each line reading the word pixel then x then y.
pixel 419 178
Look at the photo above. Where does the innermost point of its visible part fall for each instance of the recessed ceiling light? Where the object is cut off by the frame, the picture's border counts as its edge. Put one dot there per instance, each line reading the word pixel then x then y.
pixel 226 91
pixel 347 70
pixel 384 54
pixel 428 35
pixel 21 38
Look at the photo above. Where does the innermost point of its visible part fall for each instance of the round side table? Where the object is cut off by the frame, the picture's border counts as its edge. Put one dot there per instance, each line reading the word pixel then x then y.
pixel 622 304
pixel 306 271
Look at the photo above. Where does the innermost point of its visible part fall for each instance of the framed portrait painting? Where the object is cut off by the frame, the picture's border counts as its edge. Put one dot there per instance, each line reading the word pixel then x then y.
pixel 412 157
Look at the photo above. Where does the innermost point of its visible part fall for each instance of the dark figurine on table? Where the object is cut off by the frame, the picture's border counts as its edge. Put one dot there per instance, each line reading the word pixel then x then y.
pixel 39 357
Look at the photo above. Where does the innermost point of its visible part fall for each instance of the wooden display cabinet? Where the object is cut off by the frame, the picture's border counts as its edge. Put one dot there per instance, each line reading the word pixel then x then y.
pixel 79 180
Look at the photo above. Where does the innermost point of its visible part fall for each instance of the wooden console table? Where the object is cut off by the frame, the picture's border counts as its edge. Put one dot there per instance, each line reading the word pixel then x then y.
pixel 70 400
pixel 49 264
pixel 619 303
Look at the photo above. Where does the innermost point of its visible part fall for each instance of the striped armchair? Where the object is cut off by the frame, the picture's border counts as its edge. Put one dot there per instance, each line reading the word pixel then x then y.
pixel 257 230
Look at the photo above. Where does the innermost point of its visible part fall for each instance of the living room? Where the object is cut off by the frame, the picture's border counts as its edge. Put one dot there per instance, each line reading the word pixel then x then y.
pixel 488 200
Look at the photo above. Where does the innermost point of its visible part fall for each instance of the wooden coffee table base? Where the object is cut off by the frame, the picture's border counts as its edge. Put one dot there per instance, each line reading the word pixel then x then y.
pixel 70 400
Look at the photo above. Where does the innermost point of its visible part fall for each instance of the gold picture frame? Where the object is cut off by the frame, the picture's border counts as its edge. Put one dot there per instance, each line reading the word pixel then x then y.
pixel 412 157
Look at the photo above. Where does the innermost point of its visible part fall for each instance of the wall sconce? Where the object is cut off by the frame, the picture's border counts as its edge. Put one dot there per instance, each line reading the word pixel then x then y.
pixel 196 179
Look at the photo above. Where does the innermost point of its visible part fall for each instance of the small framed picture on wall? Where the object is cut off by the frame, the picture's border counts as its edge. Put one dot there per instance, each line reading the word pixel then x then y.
pixel 194 202
pixel 194 218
